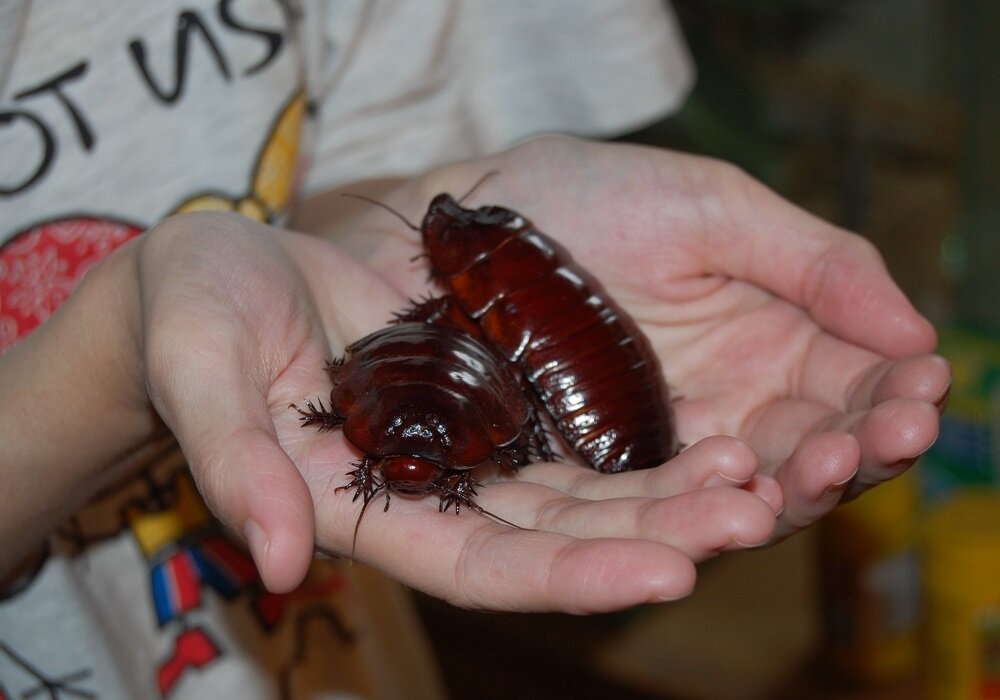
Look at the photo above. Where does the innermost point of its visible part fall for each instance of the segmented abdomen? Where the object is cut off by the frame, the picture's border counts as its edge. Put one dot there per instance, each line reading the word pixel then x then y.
pixel 590 365
pixel 432 392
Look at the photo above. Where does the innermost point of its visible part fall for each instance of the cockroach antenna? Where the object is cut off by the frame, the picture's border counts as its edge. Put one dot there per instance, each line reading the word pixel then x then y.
pixel 364 507
pixel 412 226
pixel 442 490
pixel 479 183
pixel 463 499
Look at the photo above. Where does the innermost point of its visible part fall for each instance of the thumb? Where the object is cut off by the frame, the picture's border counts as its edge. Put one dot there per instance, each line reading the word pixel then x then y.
pixel 217 408
pixel 214 337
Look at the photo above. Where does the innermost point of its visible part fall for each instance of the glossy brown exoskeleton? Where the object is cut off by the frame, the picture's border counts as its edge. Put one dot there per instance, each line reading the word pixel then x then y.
pixel 425 405
pixel 592 368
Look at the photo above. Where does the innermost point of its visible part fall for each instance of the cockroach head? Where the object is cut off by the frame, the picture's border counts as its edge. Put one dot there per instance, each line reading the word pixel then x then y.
pixel 454 237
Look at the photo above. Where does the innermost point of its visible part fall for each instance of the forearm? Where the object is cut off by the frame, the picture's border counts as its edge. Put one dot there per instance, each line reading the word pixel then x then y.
pixel 72 402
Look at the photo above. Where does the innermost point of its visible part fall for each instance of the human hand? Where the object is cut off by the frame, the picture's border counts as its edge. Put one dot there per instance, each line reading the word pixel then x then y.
pixel 236 321
pixel 771 325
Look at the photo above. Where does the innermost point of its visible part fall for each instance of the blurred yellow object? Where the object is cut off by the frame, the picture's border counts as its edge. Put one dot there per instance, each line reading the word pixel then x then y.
pixel 870 586
pixel 962 583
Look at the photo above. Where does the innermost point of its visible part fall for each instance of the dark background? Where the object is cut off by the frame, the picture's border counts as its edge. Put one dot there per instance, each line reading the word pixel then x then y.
pixel 881 116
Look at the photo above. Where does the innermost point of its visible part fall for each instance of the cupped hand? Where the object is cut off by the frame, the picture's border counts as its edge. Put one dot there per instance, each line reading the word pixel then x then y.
pixel 237 321
pixel 771 325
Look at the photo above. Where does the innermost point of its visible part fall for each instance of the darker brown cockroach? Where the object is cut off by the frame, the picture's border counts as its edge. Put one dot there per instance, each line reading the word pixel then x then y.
pixel 426 405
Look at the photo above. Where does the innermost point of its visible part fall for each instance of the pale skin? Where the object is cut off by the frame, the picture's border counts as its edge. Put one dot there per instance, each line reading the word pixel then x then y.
pixel 804 377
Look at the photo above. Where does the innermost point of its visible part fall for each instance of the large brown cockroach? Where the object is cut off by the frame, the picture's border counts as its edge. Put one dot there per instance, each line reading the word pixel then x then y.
pixel 425 405
pixel 591 367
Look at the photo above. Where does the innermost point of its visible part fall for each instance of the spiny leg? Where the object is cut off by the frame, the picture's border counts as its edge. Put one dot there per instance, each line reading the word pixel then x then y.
pixel 425 309
pixel 457 488
pixel 318 415
pixel 515 455
pixel 438 311
pixel 365 485
pixel 363 481
pixel 333 367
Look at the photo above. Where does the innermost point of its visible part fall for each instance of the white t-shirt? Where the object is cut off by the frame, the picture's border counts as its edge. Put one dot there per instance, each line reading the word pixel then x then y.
pixel 114 115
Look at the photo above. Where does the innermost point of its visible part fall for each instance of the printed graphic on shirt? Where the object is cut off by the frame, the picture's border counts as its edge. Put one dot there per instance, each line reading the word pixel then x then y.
pixel 152 79
pixel 37 683
pixel 272 183
pixel 41 266
pixel 184 548
pixel 165 108
pixel 189 560
pixel 188 555
pixel 154 587
pixel 185 551
pixel 203 591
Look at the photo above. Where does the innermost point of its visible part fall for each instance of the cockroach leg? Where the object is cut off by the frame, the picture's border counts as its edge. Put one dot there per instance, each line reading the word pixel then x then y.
pixel 363 480
pixel 423 309
pixel 462 494
pixel 457 489
pixel 365 485
pixel 318 415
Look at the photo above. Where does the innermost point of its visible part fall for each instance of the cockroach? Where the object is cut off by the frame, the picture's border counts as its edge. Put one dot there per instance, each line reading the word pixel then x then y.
pixel 425 405
pixel 589 365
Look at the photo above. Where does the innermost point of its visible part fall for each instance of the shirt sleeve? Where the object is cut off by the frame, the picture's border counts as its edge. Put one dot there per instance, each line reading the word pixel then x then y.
pixel 420 82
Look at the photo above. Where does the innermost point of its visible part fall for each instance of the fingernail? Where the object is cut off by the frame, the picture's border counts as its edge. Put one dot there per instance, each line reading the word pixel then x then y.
pixel 665 598
pixel 778 506
pixel 720 479
pixel 752 545
pixel 257 541
pixel 839 485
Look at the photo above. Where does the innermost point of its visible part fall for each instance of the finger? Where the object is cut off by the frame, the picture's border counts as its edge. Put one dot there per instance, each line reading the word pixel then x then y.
pixel 700 523
pixel 273 503
pixel 769 490
pixel 889 433
pixel 849 378
pixel 714 461
pixel 213 340
pixel 546 571
pixel 891 436
pixel 815 477
pixel 475 563
pixel 780 429
pixel 922 377
pixel 837 276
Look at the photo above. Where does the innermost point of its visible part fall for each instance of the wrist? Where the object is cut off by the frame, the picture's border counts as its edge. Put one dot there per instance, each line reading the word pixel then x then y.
pixel 72 404
pixel 110 319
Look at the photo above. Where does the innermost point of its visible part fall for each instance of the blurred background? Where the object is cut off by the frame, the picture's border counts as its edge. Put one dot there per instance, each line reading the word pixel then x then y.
pixel 882 116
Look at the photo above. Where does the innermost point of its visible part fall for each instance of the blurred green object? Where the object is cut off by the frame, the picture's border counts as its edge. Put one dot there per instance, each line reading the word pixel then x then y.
pixel 967 451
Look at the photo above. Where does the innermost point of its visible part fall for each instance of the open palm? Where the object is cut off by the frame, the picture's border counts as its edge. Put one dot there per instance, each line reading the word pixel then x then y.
pixel 239 320
pixel 771 325
pixel 773 328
